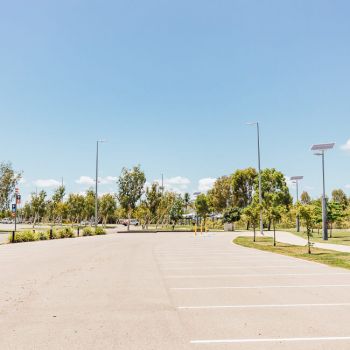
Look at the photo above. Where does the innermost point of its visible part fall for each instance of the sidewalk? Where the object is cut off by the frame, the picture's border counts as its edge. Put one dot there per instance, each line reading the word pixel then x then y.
pixel 289 238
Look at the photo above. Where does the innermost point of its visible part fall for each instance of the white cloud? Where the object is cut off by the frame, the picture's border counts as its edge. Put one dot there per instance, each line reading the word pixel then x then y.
pixel 177 184
pixel 178 181
pixel 347 186
pixel 346 146
pixel 107 180
pixel 89 181
pixel 85 180
pixel 204 185
pixel 47 183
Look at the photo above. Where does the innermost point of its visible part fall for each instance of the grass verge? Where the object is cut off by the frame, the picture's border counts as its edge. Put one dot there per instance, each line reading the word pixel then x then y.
pixel 337 237
pixel 323 256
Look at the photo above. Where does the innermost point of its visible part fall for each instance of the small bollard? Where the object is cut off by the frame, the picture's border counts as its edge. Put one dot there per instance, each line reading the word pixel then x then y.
pixel 13 236
pixel 51 233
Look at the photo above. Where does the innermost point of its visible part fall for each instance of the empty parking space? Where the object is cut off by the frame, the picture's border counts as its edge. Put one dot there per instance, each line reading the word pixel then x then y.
pixel 237 298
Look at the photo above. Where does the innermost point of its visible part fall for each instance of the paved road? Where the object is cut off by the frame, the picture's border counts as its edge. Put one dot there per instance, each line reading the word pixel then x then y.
pixel 167 291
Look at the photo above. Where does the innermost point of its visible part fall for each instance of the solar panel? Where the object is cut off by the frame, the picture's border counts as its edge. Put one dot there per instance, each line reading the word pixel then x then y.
pixel 322 146
pixel 297 178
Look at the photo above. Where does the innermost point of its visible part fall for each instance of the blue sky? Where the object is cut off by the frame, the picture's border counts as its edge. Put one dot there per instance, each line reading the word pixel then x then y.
pixel 170 85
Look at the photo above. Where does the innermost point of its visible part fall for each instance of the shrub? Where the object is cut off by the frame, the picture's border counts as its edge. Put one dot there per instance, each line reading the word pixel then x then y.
pixel 43 235
pixel 215 225
pixel 99 231
pixel 65 232
pixel 87 231
pixel 25 236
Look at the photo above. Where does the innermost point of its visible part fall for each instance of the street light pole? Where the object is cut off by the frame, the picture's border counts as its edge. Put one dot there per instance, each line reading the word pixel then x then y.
pixel 320 151
pixel 296 181
pixel 324 204
pixel 298 219
pixel 259 169
pixel 96 184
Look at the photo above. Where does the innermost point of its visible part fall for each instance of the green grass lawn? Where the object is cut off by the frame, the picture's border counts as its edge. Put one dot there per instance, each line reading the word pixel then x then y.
pixel 338 236
pixel 323 256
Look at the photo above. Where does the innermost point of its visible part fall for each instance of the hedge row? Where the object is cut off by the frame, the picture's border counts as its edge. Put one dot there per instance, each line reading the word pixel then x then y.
pixel 67 232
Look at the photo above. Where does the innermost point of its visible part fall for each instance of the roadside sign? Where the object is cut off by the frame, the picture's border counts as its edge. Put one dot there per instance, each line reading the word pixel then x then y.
pixel 13 208
pixel 18 199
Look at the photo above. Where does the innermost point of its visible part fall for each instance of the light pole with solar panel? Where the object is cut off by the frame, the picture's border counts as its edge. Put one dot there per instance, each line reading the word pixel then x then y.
pixel 296 180
pixel 319 150
pixel 259 175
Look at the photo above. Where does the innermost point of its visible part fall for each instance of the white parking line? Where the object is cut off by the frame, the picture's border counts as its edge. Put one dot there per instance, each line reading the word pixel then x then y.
pixel 259 306
pixel 204 261
pixel 260 275
pixel 264 287
pixel 267 340
pixel 237 267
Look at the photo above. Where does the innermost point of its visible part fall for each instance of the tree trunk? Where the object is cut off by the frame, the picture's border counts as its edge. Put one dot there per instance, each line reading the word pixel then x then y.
pixel 35 218
pixel 254 234
pixel 129 218
pixel 269 226
pixel 274 235
pixel 248 224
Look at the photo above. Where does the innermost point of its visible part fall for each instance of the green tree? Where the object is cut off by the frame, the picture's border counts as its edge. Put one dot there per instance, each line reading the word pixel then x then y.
pixel 177 210
pixel 305 198
pixel 243 183
pixel 75 204
pixel 89 205
pixel 252 215
pixel 316 206
pixel 307 215
pixel 202 207
pixel 274 191
pixel 220 195
pixel 187 200
pixel 27 213
pixel 142 214
pixel 130 189
pixel 8 181
pixel 59 194
pixel 38 205
pixel 275 215
pixel 166 203
pixel 232 215
pixel 107 207
pixel 153 200
pixel 335 212
pixel 58 207
pixel 339 196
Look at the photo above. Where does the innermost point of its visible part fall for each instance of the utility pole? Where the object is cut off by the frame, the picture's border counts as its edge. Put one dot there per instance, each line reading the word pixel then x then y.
pixel 259 169
pixel 96 183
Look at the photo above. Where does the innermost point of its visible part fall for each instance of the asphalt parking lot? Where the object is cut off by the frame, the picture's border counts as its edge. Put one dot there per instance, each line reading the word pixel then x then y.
pixel 167 291
pixel 230 297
